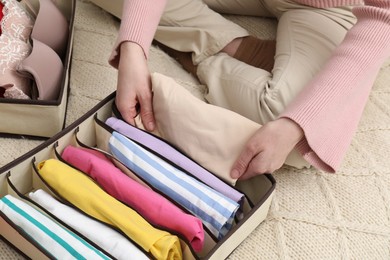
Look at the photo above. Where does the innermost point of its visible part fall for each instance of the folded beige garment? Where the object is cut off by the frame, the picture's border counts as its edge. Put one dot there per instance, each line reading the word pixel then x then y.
pixel 210 135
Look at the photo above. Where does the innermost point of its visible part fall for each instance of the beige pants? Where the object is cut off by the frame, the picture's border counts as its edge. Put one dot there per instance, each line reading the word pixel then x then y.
pixel 305 37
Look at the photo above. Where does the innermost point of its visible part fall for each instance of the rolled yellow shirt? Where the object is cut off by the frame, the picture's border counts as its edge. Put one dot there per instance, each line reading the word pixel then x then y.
pixel 81 191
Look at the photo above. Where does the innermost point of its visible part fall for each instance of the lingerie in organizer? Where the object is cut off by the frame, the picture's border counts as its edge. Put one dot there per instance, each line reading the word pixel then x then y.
pixel 32 47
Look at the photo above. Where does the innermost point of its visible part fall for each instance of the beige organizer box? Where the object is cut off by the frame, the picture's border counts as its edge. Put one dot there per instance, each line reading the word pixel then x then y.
pixel 35 117
pixel 88 130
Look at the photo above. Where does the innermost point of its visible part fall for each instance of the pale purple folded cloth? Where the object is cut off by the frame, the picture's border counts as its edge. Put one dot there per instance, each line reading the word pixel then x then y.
pixel 155 208
pixel 170 153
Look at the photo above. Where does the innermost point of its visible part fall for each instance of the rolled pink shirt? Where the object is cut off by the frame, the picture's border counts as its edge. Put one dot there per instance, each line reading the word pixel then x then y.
pixel 152 206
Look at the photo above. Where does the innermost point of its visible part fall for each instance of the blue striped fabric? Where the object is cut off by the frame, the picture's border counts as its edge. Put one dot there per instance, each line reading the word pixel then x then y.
pixel 58 241
pixel 214 209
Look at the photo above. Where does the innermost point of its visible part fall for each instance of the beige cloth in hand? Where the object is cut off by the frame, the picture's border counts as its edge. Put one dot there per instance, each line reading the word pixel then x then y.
pixel 212 136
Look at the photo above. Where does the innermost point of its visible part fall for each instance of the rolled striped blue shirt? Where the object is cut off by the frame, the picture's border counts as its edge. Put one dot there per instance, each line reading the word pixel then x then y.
pixel 214 209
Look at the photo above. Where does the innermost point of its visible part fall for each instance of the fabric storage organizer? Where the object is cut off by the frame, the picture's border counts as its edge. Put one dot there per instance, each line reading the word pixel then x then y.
pixel 44 114
pixel 20 178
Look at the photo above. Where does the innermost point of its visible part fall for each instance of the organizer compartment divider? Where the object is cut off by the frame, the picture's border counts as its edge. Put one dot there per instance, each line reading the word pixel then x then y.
pixel 259 190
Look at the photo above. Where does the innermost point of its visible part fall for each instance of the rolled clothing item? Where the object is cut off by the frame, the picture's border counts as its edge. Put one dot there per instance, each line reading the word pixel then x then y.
pixel 81 191
pixel 215 210
pixel 174 156
pixel 212 136
pixel 58 241
pixel 152 206
pixel 108 239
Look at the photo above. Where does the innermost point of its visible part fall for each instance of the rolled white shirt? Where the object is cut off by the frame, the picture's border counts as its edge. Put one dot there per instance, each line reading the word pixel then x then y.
pixel 108 239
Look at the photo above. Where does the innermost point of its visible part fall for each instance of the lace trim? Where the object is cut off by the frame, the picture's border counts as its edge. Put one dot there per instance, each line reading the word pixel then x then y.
pixel 15 93
pixel 16 26
pixel 16 22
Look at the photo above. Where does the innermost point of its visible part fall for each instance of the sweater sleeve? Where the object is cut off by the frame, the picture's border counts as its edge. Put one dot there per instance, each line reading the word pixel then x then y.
pixel 330 106
pixel 140 19
pixel 329 3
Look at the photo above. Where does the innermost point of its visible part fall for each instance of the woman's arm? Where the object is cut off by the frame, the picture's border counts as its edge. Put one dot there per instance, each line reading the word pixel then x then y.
pixel 330 107
pixel 140 19
pixel 328 110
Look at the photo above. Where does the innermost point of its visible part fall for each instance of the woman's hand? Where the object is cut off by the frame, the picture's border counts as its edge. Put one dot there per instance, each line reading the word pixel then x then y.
pixel 267 149
pixel 134 93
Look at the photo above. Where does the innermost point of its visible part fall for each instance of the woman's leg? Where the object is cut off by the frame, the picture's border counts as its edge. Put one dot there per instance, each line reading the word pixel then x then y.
pixel 305 38
pixel 192 26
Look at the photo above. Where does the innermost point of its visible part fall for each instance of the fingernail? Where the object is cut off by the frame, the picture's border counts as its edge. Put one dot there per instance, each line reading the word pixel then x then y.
pixel 151 126
pixel 235 174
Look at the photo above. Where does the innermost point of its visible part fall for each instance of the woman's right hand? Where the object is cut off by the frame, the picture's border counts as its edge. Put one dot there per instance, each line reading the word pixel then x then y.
pixel 134 92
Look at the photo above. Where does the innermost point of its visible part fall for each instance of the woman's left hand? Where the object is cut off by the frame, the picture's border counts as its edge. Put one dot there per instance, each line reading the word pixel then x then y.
pixel 267 149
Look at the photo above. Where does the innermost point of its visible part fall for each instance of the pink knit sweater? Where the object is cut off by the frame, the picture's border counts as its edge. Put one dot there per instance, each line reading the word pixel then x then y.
pixel 330 106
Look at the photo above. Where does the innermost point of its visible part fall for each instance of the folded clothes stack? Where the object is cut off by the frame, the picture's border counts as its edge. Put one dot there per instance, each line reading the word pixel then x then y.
pixel 32 47
pixel 174 208
pixel 82 192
